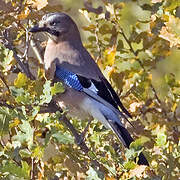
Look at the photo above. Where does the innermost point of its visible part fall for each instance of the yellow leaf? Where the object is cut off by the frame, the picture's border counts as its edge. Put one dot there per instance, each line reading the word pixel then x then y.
pixel 110 178
pixel 109 56
pixel 41 73
pixel 90 28
pixel 38 152
pixel 24 14
pixel 174 107
pixel 21 80
pixel 14 123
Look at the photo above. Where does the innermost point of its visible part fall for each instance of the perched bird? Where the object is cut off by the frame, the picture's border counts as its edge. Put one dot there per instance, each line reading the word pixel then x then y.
pixel 88 93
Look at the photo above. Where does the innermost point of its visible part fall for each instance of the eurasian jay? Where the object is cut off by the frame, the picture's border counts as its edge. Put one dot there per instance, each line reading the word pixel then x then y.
pixel 88 93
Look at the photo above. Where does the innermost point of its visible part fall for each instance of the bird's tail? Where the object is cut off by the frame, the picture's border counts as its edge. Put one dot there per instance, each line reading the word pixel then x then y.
pixel 126 139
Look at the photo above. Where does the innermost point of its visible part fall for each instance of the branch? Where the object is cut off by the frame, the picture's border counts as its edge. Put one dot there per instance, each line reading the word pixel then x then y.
pixel 4 104
pixel 52 108
pixel 77 136
pixel 7 42
pixel 82 145
pixel 152 87
pixel 89 7
pixel 4 81
pixel 128 42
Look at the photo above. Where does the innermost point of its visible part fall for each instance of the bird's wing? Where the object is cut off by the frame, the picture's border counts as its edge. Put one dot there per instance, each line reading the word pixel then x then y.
pixel 105 89
pixel 114 96
pixel 95 89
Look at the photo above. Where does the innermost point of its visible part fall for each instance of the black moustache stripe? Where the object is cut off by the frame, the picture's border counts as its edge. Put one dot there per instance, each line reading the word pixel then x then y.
pixel 53 32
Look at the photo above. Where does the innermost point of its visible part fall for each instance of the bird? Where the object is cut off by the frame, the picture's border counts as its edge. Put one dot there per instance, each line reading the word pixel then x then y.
pixel 87 92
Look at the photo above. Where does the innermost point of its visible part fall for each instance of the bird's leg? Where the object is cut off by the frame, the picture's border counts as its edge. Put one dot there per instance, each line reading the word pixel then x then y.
pixel 82 136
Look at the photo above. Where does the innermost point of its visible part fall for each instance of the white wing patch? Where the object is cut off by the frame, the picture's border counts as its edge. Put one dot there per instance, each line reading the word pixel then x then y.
pixel 93 88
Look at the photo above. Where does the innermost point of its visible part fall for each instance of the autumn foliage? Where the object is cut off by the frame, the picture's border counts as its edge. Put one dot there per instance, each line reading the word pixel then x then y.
pixel 136 44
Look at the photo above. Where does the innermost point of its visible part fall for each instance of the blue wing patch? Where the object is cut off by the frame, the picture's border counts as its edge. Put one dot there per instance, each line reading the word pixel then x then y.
pixel 69 78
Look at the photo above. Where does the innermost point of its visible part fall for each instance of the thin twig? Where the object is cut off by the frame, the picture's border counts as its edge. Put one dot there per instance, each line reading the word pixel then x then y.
pixel 6 105
pixel 2 143
pixel 4 82
pixel 127 40
pixel 82 145
pixel 32 169
pixel 27 45
pixel 155 94
pixel 36 50
pixel 89 7
pixel 8 44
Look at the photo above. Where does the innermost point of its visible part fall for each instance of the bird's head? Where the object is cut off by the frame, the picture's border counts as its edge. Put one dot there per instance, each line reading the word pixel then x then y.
pixel 59 26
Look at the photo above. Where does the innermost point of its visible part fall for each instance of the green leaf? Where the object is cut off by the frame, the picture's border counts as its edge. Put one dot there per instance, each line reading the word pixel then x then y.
pixel 26 134
pixel 92 174
pixel 91 38
pixel 25 168
pixel 138 143
pixel 13 169
pixel 6 57
pixel 21 96
pixel 35 111
pixel 46 96
pixel 127 65
pixel 38 152
pixel 160 132
pixel 161 139
pixel 92 155
pixel 37 87
pixel 129 165
pixel 105 29
pixel 171 80
pixel 95 137
pixel 172 4
pixel 130 153
pixel 57 88
pixel 16 91
pixel 24 98
pixel 64 138
pixel 120 45
pixel 25 153
pixel 137 46
pixel 5 118
pixel 21 80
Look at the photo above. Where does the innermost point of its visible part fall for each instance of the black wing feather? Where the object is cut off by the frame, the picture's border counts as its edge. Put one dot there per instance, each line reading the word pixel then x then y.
pixel 115 97
pixel 105 91
pixel 102 90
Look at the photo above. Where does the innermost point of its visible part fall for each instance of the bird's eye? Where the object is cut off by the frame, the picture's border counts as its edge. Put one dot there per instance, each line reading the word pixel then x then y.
pixel 53 23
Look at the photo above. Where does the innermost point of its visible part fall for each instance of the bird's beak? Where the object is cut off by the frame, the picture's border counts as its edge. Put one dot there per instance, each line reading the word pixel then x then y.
pixel 40 27
pixel 37 28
